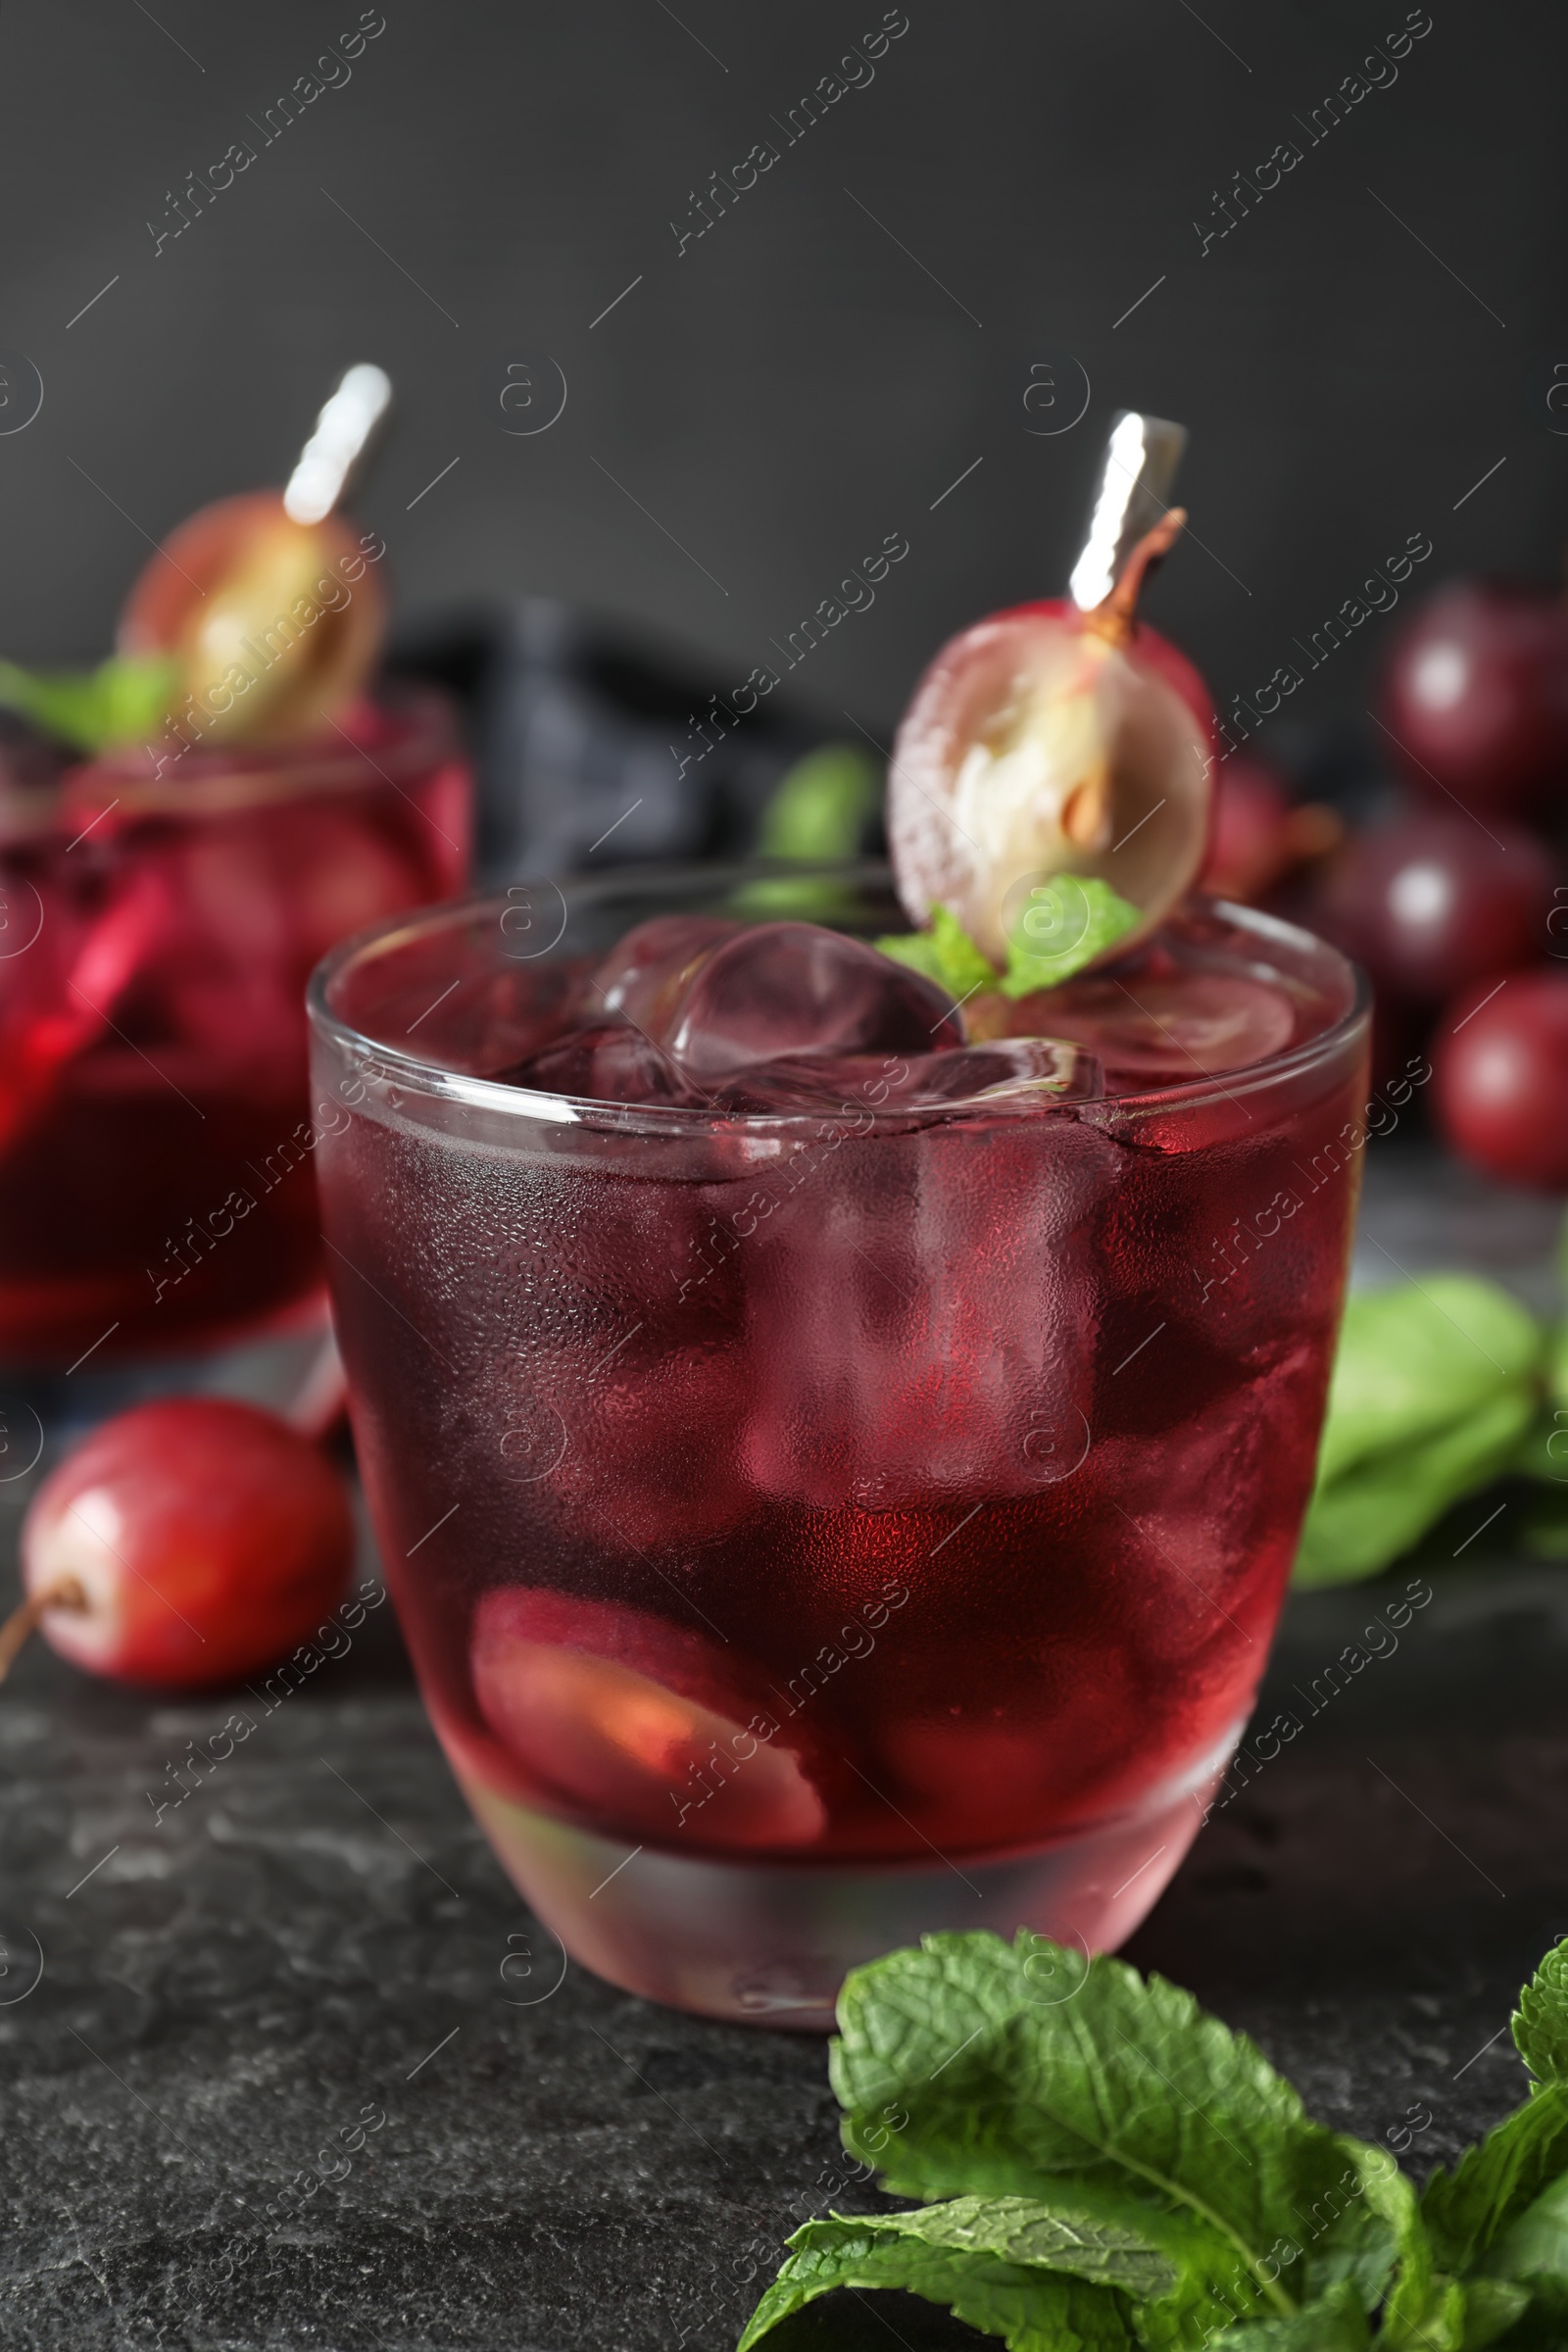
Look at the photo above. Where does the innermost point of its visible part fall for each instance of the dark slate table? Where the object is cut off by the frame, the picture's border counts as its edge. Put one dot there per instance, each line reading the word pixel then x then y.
pixel 312 1967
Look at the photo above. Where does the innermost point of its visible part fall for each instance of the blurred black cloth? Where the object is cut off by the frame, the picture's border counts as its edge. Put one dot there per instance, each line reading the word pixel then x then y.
pixel 589 737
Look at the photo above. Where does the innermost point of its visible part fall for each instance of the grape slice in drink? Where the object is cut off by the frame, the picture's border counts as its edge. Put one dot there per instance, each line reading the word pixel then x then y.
pixel 1153 1030
pixel 637 1722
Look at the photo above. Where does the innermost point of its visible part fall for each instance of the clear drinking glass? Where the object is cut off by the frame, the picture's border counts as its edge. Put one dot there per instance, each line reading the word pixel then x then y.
pixel 155 935
pixel 810 1531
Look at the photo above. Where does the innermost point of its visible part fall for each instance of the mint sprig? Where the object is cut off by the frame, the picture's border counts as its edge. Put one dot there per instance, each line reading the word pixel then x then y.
pixel 1102 2166
pixel 122 701
pixel 1064 924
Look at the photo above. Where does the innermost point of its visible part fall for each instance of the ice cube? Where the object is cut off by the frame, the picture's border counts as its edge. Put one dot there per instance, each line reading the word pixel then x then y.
pixel 784 989
pixel 598 1334
pixel 923 1309
pixel 652 1461
pixel 642 977
pixel 1013 1072
pixel 1167 1029
pixel 610 1063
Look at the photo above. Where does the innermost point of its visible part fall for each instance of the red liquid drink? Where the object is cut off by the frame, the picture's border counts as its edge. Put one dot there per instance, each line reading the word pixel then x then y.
pixel 156 1132
pixel 822 1517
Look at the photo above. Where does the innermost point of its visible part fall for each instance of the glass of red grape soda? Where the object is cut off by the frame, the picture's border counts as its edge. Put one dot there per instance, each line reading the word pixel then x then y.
pixel 837 1459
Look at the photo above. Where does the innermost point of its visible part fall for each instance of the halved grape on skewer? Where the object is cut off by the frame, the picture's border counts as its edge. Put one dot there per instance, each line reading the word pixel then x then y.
pixel 1053 761
pixel 265 602
pixel 270 623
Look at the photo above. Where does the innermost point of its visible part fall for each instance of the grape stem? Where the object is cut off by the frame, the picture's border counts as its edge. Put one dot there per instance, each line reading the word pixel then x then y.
pixel 66 1593
pixel 1114 618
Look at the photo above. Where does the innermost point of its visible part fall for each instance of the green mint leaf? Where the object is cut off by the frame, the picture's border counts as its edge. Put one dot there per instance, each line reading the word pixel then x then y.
pixel 1542 1532
pixel 1335 2323
pixel 1493 2306
pixel 1423 2312
pixel 1066 924
pixel 1415 1358
pixel 1557 1364
pixel 1540 2021
pixel 133 698
pixel 122 701
pixel 946 954
pixel 1428 2311
pixel 818 810
pixel 796 897
pixel 1021 2229
pixel 1358 1523
pixel 1542 1454
pixel 1432 1396
pixel 1530 2260
pixel 1030 2309
pixel 1023 2069
pixel 1492 2185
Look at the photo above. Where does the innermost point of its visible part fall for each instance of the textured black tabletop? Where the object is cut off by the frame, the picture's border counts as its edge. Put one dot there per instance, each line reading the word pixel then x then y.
pixel 312 1967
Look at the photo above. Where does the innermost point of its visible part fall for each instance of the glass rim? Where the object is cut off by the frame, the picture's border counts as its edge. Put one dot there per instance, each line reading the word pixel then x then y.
pixel 438 1083
pixel 219 779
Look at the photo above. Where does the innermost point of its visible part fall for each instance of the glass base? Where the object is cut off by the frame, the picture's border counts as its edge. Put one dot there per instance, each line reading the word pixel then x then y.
pixel 289 1365
pixel 770 1943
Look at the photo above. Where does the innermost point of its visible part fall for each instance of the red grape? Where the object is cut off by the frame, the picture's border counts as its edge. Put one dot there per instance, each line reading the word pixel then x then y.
pixel 195 1539
pixel 1257 835
pixel 1430 904
pixel 1501 1079
pixel 1476 696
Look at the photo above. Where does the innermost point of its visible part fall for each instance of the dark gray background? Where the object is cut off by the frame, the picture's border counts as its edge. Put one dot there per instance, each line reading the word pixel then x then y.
pixel 796 385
